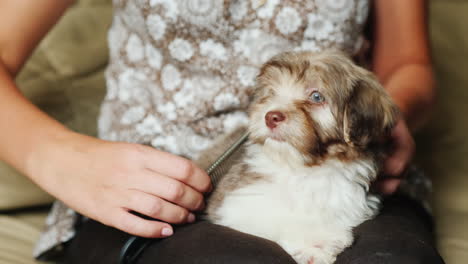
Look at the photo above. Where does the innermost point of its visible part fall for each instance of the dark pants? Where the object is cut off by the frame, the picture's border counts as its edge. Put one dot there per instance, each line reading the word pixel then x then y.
pixel 400 234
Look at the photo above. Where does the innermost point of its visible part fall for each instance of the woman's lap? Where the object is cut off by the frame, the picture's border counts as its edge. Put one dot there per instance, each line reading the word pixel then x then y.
pixel 400 234
pixel 201 242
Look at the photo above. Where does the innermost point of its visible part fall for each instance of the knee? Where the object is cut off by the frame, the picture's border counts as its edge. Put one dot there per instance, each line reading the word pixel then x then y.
pixel 422 254
pixel 405 254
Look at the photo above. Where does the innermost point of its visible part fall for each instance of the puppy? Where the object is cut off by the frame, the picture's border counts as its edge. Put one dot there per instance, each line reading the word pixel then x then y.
pixel 317 129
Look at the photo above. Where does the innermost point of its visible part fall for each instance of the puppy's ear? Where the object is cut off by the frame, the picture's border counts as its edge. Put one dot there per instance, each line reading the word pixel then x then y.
pixel 370 114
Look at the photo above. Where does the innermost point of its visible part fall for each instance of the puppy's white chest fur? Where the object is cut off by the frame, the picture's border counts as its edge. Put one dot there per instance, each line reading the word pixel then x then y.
pixel 308 210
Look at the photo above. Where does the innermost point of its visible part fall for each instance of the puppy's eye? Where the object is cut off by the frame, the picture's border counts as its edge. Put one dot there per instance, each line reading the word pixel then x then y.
pixel 317 98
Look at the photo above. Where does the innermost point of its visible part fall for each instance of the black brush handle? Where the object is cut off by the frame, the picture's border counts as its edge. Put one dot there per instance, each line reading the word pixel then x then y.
pixel 132 249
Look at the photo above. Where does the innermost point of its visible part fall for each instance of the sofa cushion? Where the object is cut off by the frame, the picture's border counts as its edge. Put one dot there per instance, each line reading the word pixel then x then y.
pixel 443 145
pixel 18 234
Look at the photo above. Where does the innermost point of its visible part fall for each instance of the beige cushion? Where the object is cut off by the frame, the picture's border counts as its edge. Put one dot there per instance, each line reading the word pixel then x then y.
pixel 64 78
pixel 443 146
pixel 18 234
pixel 17 191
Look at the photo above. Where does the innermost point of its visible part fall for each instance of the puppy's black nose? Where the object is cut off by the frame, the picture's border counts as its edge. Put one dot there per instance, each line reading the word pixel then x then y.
pixel 273 118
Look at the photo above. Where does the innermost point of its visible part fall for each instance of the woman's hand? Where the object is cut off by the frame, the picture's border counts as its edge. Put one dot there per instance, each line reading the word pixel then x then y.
pixel 397 162
pixel 107 180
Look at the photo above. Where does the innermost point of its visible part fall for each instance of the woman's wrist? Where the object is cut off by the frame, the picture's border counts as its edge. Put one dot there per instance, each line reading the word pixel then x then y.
pixel 59 147
pixel 412 89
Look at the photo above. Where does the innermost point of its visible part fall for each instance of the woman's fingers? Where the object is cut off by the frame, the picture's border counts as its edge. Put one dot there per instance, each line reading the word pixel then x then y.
pixel 140 227
pixel 387 186
pixel 172 190
pixel 403 152
pixel 398 160
pixel 157 208
pixel 178 168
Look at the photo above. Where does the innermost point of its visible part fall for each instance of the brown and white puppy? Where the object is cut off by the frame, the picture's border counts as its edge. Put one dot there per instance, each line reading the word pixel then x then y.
pixel 316 141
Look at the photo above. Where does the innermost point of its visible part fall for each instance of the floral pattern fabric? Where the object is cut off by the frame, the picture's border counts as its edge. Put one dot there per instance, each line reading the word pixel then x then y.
pixel 181 72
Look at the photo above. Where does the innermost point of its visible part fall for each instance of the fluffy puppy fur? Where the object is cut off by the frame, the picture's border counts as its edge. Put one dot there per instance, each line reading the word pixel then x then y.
pixel 317 125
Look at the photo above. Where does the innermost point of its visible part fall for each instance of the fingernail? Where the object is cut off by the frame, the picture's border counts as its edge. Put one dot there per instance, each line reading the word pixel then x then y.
pixel 166 231
pixel 191 218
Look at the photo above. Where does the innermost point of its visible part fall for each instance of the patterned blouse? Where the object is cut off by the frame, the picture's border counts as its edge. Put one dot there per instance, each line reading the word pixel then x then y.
pixel 181 71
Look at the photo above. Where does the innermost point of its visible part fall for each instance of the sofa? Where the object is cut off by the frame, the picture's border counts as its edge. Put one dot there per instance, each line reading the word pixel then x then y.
pixel 64 77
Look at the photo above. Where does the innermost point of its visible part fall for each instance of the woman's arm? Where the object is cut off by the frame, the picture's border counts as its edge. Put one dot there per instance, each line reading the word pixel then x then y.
pixel 102 180
pixel 23 127
pixel 401 57
pixel 402 62
pixel 24 23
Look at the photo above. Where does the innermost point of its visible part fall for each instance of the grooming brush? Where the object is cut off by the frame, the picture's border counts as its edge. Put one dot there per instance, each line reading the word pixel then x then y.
pixel 222 164
pixel 135 245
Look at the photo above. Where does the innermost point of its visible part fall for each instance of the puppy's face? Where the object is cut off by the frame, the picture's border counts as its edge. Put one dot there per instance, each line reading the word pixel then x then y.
pixel 321 104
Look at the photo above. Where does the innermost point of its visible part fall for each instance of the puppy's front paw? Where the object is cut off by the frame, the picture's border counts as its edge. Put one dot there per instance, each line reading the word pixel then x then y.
pixel 313 255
